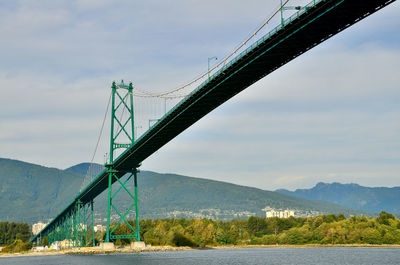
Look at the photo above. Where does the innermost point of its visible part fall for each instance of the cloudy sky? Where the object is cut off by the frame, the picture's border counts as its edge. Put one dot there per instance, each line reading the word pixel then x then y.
pixel 330 115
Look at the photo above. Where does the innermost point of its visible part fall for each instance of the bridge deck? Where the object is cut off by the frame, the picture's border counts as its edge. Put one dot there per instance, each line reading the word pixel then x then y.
pixel 299 34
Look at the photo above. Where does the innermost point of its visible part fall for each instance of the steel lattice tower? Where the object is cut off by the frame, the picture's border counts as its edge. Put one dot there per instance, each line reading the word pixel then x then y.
pixel 122 137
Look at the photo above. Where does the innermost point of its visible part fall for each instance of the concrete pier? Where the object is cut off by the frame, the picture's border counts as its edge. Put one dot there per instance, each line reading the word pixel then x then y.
pixel 139 244
pixel 107 245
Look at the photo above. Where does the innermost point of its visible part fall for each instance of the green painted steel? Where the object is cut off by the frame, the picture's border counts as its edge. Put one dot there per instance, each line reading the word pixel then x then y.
pixel 137 206
pixel 92 215
pixel 311 25
pixel 121 130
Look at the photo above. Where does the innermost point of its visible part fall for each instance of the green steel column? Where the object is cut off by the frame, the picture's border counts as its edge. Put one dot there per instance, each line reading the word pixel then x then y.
pixel 85 225
pixel 93 234
pixel 57 231
pixel 109 207
pixel 114 90
pixel 70 234
pixel 136 205
pixel 110 175
pixel 68 229
pixel 62 230
pixel 78 226
pixel 74 227
pixel 73 224
pixel 130 90
pixel 50 237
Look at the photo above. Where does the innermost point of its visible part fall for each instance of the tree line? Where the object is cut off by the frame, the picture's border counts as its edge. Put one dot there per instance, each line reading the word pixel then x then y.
pixel 9 232
pixel 15 236
pixel 326 229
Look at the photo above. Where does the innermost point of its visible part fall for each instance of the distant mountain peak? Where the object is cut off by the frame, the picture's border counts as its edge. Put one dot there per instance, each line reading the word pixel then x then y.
pixel 322 185
pixel 82 168
pixel 352 195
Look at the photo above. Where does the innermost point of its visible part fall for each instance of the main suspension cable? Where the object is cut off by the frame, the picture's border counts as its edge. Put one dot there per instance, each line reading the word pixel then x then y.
pixel 222 62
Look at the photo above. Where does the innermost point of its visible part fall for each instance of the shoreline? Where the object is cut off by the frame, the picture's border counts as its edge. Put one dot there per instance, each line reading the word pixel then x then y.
pixel 97 250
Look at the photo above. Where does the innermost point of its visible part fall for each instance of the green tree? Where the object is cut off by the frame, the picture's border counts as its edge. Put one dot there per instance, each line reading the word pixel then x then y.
pixel 384 218
pixel 257 226
pixel 45 241
pixel 371 236
pixel 183 240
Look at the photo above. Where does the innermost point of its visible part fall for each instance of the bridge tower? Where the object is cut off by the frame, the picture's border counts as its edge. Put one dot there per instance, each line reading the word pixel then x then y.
pixel 121 137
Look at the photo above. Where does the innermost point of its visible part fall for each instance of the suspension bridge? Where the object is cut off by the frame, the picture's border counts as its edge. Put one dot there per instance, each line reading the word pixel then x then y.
pixel 306 27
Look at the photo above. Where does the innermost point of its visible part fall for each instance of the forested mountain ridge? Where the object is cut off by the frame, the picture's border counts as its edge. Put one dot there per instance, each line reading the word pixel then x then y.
pixel 31 193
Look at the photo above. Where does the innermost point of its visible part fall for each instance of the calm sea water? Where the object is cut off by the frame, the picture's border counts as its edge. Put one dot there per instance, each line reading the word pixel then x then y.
pixel 318 256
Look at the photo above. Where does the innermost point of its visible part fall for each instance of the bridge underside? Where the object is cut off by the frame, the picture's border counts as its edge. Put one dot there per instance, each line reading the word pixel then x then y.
pixel 297 36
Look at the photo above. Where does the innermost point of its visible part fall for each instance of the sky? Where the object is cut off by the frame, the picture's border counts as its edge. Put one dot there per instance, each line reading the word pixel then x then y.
pixel 330 115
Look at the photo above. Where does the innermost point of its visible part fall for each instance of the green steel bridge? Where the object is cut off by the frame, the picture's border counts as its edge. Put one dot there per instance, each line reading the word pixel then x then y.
pixel 307 27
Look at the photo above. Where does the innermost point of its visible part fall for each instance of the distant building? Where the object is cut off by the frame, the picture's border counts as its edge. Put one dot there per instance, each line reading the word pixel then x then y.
pixel 100 228
pixel 66 243
pixel 271 212
pixel 36 228
pixel 55 245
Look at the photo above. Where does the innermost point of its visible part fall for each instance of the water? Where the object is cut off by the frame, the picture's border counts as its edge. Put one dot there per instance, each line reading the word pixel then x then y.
pixel 281 256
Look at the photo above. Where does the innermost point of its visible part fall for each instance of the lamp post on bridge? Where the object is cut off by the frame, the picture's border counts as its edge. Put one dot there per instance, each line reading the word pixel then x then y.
pixel 210 59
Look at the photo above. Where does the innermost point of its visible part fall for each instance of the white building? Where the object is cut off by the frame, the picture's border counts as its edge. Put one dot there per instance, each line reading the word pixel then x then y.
pixel 271 212
pixel 36 228
pixel 55 245
pixel 100 228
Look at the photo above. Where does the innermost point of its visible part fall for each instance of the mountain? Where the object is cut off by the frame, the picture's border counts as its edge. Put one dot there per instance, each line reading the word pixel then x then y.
pixel 32 193
pixel 85 168
pixel 353 196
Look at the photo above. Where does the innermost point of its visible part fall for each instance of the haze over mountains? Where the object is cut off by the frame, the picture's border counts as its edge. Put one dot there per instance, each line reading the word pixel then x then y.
pixel 32 193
